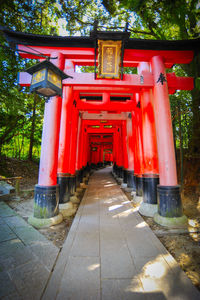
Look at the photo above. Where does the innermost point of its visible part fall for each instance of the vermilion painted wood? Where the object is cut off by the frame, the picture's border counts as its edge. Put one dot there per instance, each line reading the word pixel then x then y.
pixel 124 145
pixel 165 143
pixel 73 142
pixel 85 82
pixel 130 55
pixel 137 123
pixel 148 128
pixel 130 145
pixel 65 131
pixel 50 136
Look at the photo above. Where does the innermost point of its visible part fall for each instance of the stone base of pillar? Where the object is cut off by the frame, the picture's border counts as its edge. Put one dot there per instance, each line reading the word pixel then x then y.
pixel 139 186
pixel 147 209
pixel 128 189
pixel 137 199
pixel 123 185
pixel 150 182
pixel 175 222
pixel 46 222
pixel 67 209
pixel 46 201
pixel 64 193
pixel 74 199
pixel 170 211
pixel 119 180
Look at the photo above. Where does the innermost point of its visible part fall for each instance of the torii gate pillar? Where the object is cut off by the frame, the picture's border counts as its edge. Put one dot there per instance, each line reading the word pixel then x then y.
pixel 169 200
pixel 46 199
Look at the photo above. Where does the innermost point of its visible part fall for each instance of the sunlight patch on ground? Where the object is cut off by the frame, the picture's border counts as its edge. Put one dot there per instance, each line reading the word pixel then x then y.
pixel 93 267
pixel 113 207
pixel 124 214
pixel 141 225
pixel 152 273
pixel 111 184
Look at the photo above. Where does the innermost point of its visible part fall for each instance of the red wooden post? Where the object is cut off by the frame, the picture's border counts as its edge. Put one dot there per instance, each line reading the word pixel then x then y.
pixel 139 148
pixel 72 156
pixel 130 151
pixel 150 167
pixel 125 154
pixel 46 191
pixel 64 145
pixel 169 200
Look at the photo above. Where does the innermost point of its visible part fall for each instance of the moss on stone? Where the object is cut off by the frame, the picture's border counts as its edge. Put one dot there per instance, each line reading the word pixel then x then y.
pixel 174 222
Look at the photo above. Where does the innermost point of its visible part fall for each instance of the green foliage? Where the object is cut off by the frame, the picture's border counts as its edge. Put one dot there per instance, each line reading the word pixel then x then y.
pixel 166 19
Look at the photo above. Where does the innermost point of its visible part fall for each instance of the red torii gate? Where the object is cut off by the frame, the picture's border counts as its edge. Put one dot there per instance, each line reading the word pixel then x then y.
pixel 140 123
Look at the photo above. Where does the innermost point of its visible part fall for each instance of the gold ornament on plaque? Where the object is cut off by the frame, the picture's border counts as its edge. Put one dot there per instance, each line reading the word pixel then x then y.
pixel 109 59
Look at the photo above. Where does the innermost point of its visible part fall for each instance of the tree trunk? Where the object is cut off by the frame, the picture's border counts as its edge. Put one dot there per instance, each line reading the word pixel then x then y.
pixel 193 69
pixel 30 154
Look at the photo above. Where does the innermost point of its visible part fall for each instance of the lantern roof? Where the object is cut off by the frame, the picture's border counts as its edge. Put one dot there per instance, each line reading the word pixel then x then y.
pixel 49 65
pixel 15 38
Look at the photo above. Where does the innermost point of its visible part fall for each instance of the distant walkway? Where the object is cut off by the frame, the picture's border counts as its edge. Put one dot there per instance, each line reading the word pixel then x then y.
pixel 110 253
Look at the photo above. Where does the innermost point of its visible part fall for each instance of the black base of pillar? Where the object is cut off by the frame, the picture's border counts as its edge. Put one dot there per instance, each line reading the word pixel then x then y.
pixel 121 172
pixel 131 180
pixel 46 200
pixel 81 174
pixel 139 186
pixel 64 193
pixel 125 175
pixel 169 201
pixel 77 179
pixel 72 185
pixel 150 182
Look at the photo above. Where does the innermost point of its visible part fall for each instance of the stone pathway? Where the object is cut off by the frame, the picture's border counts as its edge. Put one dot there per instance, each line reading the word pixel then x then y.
pixel 26 258
pixel 111 253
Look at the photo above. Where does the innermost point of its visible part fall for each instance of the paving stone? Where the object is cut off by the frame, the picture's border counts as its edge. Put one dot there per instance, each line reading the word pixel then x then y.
pixel 14 296
pixel 16 221
pixel 6 233
pixel 126 289
pixel 116 261
pixel 13 253
pixel 46 253
pixel 29 235
pixel 6 285
pixel 81 279
pixel 30 280
pixel 1 220
pixel 6 211
pixel 86 242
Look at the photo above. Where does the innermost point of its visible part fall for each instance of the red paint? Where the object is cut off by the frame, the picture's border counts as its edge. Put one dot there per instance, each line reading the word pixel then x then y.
pixel 130 55
pixel 65 131
pixel 50 136
pixel 165 143
pixel 130 144
pixel 150 165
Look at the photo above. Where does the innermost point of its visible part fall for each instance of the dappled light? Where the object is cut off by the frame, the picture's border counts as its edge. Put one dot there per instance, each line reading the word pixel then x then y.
pixel 141 225
pixel 113 207
pixel 93 267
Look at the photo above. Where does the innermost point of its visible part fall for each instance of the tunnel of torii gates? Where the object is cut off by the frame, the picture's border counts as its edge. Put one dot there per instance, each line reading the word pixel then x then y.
pixel 125 121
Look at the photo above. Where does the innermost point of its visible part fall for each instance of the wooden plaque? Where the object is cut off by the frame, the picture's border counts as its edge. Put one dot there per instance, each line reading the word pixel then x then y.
pixel 109 59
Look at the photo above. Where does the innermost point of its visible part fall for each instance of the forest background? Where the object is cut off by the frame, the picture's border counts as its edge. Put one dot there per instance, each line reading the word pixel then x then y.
pixel 21 113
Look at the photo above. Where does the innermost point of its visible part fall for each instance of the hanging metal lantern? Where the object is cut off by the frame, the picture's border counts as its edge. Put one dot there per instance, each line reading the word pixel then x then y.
pixel 46 79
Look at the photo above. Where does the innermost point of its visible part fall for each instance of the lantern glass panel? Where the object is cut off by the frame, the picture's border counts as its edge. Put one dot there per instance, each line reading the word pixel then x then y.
pixel 54 79
pixel 38 76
